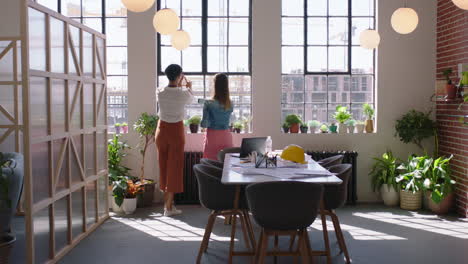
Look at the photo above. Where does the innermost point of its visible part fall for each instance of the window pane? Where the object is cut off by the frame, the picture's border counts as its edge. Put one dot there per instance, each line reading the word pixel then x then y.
pixel 116 31
pixel 238 59
pixel 92 8
pixel 174 5
pixel 293 7
pixel 317 7
pixel 288 109
pixel 362 60
pixel 217 59
pixel 239 7
pixel 217 8
pixel 317 59
pixel 191 59
pixel 239 85
pixel 115 8
pixel 363 90
pixel 293 31
pixel 94 23
pixel 217 31
pixel 317 31
pixel 363 8
pixel 162 81
pixel 193 27
pixel 169 55
pixel 116 61
pixel 71 8
pixel 292 60
pixel 356 111
pixel 338 7
pixel 316 88
pixel 359 25
pixel 336 89
pixel 191 8
pixel 117 84
pixel 198 85
pixel 166 39
pixel 337 59
pixel 57 42
pixel 239 31
pixel 292 89
pixel 338 31
pixel 316 112
pixel 51 4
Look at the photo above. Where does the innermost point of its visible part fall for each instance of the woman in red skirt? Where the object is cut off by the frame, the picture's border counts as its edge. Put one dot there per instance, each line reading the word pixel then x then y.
pixel 216 117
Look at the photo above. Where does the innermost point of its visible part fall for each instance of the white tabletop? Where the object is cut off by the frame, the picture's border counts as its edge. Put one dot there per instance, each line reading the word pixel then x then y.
pixel 230 176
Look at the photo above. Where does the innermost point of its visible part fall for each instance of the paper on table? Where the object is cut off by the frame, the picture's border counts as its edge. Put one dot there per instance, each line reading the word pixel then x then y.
pixel 282 173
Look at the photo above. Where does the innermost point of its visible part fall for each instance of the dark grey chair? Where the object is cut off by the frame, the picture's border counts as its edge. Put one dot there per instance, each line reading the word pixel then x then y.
pixel 331 161
pixel 225 151
pixel 214 163
pixel 219 198
pixel 287 214
pixel 335 197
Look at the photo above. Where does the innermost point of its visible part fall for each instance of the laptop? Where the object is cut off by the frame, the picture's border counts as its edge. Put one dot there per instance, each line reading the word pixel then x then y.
pixel 252 144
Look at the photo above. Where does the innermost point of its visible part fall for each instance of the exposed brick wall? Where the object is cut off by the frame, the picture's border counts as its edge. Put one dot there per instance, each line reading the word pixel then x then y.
pixel 452 49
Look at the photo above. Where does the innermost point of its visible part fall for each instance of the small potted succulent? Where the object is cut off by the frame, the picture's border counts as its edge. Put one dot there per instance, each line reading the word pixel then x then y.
pixel 117 127
pixel 333 127
pixel 313 126
pixel 294 122
pixel 360 125
pixel 324 128
pixel 341 116
pixel 124 128
pixel 369 113
pixel 238 125
pixel 304 128
pixel 285 127
pixel 194 123
pixel 351 123
pixel 449 87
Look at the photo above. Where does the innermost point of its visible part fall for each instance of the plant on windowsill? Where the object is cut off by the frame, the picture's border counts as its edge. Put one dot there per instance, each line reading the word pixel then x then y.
pixel 351 123
pixel 246 121
pixel 324 128
pixel 117 127
pixel 294 122
pixel 285 127
pixel 369 112
pixel 238 125
pixel 313 126
pixel 438 185
pixel 449 87
pixel 194 123
pixel 124 128
pixel 360 125
pixel 414 171
pixel 383 174
pixel 304 128
pixel 341 116
pixel 146 126
pixel 333 128
pixel 414 127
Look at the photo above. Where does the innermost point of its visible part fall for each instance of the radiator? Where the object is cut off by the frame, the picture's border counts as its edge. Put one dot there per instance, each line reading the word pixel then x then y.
pixel 350 157
pixel 190 194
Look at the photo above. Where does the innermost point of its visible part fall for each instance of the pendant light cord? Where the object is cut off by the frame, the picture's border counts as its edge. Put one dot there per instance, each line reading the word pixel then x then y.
pixel 165 3
pixel 370 14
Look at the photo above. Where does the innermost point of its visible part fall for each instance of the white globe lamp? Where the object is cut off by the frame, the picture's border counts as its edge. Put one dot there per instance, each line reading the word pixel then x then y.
pixel 404 20
pixel 180 40
pixel 138 5
pixel 463 4
pixel 166 21
pixel 369 39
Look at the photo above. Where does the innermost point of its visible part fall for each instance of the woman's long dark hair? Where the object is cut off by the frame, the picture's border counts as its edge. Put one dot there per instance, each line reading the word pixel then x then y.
pixel 221 90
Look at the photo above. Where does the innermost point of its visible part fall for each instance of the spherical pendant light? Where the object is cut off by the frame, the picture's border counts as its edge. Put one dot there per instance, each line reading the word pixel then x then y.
pixel 180 40
pixel 463 4
pixel 404 20
pixel 166 21
pixel 138 5
pixel 369 39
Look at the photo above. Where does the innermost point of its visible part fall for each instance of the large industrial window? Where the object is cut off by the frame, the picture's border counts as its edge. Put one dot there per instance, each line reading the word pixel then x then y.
pixel 220 31
pixel 322 59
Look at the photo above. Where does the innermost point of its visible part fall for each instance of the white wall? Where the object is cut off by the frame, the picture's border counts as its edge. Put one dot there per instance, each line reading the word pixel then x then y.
pixel 405 80
pixel 10 18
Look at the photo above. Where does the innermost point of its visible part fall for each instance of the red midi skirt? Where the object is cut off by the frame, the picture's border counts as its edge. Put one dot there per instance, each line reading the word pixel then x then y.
pixel 216 140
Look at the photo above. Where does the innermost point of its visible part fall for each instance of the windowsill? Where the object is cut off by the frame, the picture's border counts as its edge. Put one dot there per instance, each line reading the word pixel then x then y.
pixel 336 134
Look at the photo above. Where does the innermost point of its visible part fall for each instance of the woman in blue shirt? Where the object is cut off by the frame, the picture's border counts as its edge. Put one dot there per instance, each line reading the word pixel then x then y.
pixel 216 117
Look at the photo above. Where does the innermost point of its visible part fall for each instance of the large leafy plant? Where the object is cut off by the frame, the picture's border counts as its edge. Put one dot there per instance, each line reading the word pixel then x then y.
pixel 119 189
pixel 116 153
pixel 194 120
pixel 438 181
pixel 292 119
pixel 414 171
pixel 414 127
pixel 146 126
pixel 384 171
pixel 342 115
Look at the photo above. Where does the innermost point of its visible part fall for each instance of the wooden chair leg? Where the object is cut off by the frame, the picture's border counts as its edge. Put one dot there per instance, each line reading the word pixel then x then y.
pixel 244 231
pixel 276 247
pixel 291 242
pixel 250 229
pixel 206 236
pixel 233 234
pixel 259 247
pixel 340 237
pixel 263 248
pixel 325 237
pixel 309 247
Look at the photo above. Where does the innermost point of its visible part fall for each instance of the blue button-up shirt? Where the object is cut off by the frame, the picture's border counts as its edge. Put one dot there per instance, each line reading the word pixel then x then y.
pixel 215 116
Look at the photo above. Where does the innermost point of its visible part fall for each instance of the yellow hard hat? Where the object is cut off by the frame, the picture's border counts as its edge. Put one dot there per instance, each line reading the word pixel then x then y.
pixel 294 153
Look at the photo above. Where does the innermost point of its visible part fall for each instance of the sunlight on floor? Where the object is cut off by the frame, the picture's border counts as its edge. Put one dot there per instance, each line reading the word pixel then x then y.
pixel 168 229
pixel 451 227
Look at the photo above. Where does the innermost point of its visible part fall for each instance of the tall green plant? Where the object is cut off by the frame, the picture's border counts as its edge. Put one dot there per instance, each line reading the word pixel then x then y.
pixel 384 171
pixel 414 127
pixel 368 111
pixel 438 181
pixel 342 115
pixel 146 126
pixel 116 153
pixel 415 170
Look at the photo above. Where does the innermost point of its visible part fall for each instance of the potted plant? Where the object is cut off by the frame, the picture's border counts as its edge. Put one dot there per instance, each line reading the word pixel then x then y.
pixel 146 126
pixel 324 128
pixel 129 203
pixel 119 189
pixel 383 174
pixel 314 125
pixel 304 128
pixel 360 125
pixel 449 87
pixel 117 127
pixel 369 113
pixel 414 127
pixel 116 153
pixel 294 121
pixel 333 127
pixel 439 186
pixel 124 128
pixel 194 123
pixel 351 123
pixel 246 121
pixel 238 125
pixel 414 171
pixel 341 116
pixel 285 127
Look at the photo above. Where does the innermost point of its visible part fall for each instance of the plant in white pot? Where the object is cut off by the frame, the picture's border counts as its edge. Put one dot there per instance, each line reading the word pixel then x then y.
pixel 119 189
pixel 360 125
pixel 351 123
pixel 116 154
pixel 383 173
pixel 368 111
pixel 129 203
pixel 314 125
pixel 341 116
pixel 414 171
pixel 439 186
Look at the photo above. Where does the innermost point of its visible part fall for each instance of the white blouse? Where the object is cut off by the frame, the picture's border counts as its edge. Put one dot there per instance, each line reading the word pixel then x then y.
pixel 172 102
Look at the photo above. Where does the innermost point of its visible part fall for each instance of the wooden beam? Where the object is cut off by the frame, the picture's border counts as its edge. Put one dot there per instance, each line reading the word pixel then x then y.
pixel 7 114
pixel 80 166
pixel 5 51
pixel 58 166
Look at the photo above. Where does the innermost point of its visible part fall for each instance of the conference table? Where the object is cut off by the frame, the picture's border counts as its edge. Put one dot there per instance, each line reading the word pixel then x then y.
pixel 236 172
